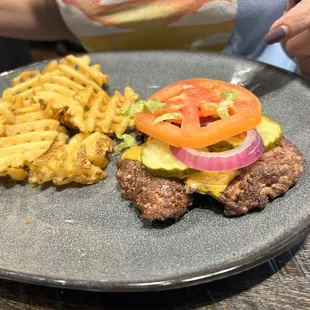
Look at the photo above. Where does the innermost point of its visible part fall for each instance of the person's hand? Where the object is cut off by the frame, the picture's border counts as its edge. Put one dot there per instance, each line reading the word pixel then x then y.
pixel 293 30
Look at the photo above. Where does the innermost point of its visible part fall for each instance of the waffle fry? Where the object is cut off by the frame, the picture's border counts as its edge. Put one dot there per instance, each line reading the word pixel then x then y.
pixel 25 142
pixel 81 161
pixel 89 111
pixel 121 123
pixel 36 111
pixel 71 73
pixel 96 146
pixel 6 115
pixel 26 133
pixel 40 125
pixel 25 76
pixel 91 76
pixel 17 174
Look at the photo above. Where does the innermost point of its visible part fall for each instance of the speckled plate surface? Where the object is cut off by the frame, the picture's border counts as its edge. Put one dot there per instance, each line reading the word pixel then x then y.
pixel 89 238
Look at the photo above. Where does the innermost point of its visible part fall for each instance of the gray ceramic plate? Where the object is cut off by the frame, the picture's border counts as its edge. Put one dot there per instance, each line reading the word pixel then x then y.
pixel 89 238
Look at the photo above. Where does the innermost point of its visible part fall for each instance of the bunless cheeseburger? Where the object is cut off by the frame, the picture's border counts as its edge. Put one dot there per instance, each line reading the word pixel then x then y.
pixel 209 137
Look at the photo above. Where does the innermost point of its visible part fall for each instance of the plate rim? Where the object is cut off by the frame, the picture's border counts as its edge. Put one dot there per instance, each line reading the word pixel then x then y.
pixel 173 282
pixel 186 280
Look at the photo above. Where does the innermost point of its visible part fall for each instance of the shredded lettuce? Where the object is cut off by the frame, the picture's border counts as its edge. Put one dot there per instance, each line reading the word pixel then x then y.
pixel 152 106
pixel 223 108
pixel 134 109
pixel 128 141
pixel 168 116
pixel 230 96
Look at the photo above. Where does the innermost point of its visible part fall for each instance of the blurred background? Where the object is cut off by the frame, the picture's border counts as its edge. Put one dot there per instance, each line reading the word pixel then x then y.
pixel 16 53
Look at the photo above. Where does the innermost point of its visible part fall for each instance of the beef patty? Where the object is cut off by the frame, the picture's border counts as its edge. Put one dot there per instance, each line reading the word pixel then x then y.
pixel 159 198
pixel 272 175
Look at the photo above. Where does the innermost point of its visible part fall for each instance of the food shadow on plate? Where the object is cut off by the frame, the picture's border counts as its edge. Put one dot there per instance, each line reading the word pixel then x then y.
pixel 200 202
pixel 206 202
pixel 157 224
pixel 7 182
pixel 203 202
pixel 110 90
pixel 60 188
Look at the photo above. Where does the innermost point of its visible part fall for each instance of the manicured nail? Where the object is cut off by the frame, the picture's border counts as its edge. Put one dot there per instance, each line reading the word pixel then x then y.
pixel 290 5
pixel 276 35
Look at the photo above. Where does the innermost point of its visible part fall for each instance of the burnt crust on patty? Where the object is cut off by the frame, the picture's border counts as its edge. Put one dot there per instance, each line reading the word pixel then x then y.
pixel 272 175
pixel 157 198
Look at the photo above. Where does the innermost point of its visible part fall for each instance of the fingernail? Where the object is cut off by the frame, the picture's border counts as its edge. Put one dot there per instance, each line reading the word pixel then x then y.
pixel 289 5
pixel 276 35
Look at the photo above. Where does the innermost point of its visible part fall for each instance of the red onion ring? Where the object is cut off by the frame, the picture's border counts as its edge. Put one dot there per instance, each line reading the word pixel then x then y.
pixel 243 155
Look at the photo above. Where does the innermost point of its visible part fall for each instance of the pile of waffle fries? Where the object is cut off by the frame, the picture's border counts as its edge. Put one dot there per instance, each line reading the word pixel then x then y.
pixel 41 109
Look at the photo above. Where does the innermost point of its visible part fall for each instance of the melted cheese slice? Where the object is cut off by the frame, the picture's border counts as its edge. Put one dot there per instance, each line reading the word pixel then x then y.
pixel 205 182
pixel 210 183
pixel 134 153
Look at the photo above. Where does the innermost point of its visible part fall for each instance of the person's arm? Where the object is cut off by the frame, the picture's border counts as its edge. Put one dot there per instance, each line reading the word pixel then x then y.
pixel 32 20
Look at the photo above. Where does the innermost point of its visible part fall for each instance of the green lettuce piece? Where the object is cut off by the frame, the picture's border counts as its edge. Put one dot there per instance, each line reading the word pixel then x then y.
pixel 134 109
pixel 230 96
pixel 168 116
pixel 152 106
pixel 128 141
pixel 223 108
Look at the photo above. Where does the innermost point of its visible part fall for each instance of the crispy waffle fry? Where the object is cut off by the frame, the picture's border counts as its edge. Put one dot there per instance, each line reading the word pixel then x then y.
pixel 121 123
pixel 40 125
pixel 96 146
pixel 89 111
pixel 6 115
pixel 27 133
pixel 17 174
pixel 104 122
pixel 93 74
pixel 25 76
pixel 2 129
pixel 25 142
pixel 70 74
pixel 36 110
pixel 71 92
pixel 81 160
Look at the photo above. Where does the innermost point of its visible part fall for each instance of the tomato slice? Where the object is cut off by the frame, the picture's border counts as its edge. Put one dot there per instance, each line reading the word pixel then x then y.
pixel 197 98
pixel 191 122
